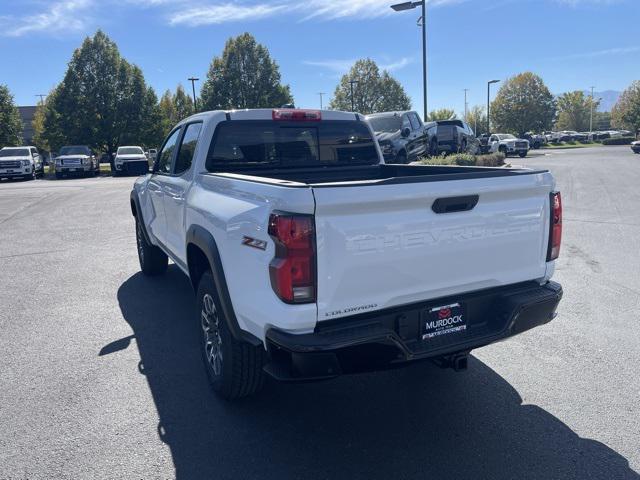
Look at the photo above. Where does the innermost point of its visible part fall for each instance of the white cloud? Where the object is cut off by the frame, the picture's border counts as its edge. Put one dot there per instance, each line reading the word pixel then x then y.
pixel 600 53
pixel 63 14
pixel 334 9
pixel 222 13
pixel 342 66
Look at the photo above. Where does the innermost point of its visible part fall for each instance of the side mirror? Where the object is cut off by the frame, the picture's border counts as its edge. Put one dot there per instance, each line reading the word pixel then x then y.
pixel 406 131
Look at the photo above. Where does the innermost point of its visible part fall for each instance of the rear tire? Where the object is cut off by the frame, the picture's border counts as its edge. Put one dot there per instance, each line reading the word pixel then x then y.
pixel 522 154
pixel 234 367
pixel 504 151
pixel 153 261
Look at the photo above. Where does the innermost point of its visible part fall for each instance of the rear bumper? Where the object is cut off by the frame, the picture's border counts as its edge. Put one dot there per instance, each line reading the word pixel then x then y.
pixel 391 337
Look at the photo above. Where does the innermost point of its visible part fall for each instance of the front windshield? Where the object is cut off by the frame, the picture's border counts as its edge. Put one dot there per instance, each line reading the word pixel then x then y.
pixel 506 136
pixel 130 151
pixel 75 150
pixel 385 124
pixel 14 152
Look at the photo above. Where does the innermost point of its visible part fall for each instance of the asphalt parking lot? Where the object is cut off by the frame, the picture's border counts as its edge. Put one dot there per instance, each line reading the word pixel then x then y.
pixel 100 374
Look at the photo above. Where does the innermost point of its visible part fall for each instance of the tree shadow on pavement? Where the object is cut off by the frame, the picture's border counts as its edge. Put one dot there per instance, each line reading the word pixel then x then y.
pixel 418 422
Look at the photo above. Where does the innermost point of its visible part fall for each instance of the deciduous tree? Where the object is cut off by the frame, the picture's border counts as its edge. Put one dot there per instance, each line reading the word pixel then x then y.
pixel 102 101
pixel 523 103
pixel 626 113
pixel 10 123
pixel 442 114
pixel 373 92
pixel 574 111
pixel 477 119
pixel 244 76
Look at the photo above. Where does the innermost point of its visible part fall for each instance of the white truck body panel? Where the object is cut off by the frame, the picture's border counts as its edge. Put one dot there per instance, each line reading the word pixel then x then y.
pixel 378 245
pixel 382 246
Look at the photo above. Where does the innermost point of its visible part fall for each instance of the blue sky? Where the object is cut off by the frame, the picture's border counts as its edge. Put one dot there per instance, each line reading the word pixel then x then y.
pixel 572 44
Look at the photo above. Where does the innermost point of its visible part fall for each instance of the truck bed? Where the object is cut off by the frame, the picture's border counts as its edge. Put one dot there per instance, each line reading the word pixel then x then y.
pixel 378 174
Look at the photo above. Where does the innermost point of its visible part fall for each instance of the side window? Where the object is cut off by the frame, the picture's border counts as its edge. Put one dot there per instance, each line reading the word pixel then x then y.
pixel 415 123
pixel 166 153
pixel 405 122
pixel 187 148
pixel 493 138
pixel 34 152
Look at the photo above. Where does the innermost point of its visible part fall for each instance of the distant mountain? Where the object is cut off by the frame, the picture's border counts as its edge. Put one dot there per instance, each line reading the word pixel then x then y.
pixel 609 99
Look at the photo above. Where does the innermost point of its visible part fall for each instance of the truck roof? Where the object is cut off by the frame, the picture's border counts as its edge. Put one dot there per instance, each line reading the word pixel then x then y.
pixel 267 114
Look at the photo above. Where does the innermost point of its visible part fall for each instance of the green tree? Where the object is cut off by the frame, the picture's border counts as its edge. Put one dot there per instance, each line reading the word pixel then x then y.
pixel 10 123
pixel 626 113
pixel 244 76
pixel 523 103
pixel 477 119
pixel 442 114
pixel 174 107
pixel 574 111
pixel 102 100
pixel 374 92
pixel 39 139
pixel 601 120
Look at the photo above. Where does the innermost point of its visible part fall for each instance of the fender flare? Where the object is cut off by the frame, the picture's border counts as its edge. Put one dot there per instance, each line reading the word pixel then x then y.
pixel 137 213
pixel 203 239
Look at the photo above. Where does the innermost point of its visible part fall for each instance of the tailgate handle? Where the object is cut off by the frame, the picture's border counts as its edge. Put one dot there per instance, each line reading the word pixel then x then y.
pixel 455 204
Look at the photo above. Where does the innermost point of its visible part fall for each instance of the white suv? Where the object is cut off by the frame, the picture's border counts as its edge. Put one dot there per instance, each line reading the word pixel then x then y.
pixel 20 162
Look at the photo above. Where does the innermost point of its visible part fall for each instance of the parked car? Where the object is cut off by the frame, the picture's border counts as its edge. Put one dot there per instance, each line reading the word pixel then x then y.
pixel 483 143
pixel 402 136
pixel 453 136
pixel 130 160
pixel 535 141
pixel 552 137
pixel 509 144
pixel 73 160
pixel 21 162
pixel 635 146
pixel 310 257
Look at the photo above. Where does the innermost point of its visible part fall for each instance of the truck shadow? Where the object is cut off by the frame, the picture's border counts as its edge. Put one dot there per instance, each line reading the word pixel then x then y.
pixel 416 422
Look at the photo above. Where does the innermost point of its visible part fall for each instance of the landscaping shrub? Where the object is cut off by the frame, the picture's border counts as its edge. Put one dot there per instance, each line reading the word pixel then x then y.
pixel 466 160
pixel 490 160
pixel 618 141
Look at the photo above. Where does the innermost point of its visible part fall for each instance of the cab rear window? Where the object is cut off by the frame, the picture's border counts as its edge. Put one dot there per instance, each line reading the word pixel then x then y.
pixel 250 144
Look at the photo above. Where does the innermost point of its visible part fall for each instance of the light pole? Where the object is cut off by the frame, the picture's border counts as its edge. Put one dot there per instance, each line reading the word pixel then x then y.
pixel 352 82
pixel 591 118
pixel 321 94
pixel 42 97
pixel 193 81
pixel 489 104
pixel 465 104
pixel 399 7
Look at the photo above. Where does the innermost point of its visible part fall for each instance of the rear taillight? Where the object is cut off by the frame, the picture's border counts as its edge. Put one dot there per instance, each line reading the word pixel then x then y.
pixel 296 115
pixel 555 234
pixel 293 269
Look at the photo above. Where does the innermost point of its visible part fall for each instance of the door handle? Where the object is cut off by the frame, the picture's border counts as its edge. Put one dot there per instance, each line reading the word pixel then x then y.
pixel 455 204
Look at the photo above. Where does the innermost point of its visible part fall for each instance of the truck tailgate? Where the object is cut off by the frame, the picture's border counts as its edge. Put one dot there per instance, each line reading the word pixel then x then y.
pixel 380 246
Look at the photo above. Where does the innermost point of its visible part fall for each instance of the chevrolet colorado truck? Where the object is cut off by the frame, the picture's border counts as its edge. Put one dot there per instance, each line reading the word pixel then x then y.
pixel 311 258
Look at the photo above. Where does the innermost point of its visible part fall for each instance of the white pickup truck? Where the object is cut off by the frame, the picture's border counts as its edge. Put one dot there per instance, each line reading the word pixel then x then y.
pixel 311 258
